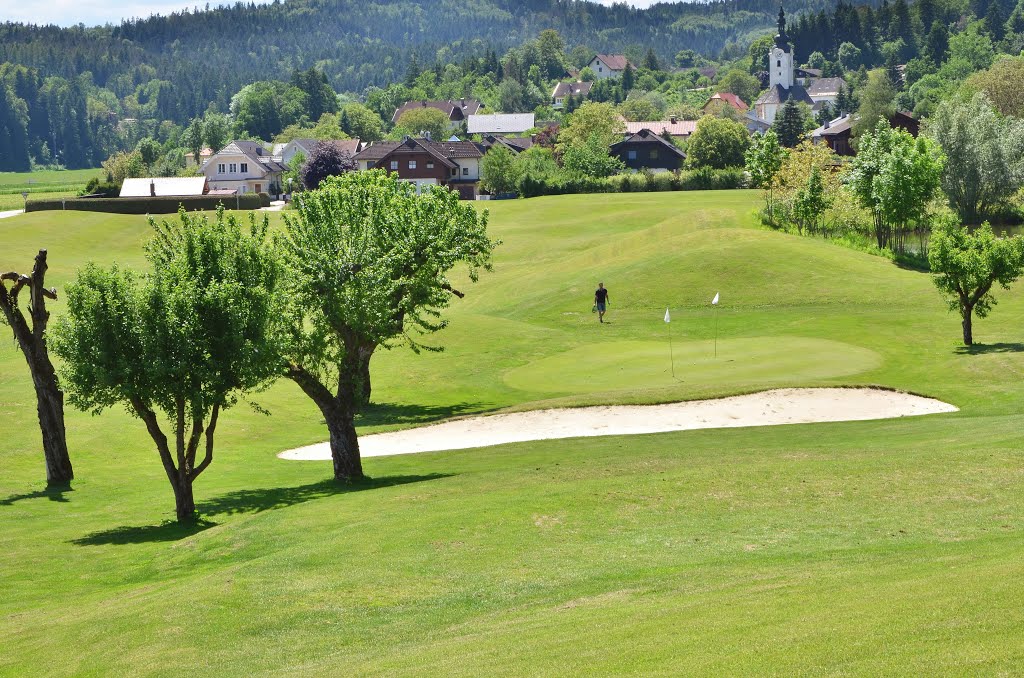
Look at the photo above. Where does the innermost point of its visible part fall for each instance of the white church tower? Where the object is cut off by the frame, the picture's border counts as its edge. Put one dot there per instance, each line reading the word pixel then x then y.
pixel 781 72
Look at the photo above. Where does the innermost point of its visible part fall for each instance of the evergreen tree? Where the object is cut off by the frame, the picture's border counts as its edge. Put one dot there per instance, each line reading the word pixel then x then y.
pixel 651 60
pixel 789 125
pixel 995 22
pixel 628 80
pixel 937 43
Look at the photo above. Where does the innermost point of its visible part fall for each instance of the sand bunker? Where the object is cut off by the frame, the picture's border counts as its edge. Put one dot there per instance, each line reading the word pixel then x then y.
pixel 770 408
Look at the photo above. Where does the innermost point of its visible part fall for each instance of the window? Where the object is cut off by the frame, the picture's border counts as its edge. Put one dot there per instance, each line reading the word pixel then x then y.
pixel 220 168
pixel 412 164
pixel 369 164
pixel 245 168
pixel 232 168
pixel 394 164
pixel 465 171
pixel 455 171
pixel 631 155
pixel 430 165
pixel 654 154
pixel 600 70
pixel 779 63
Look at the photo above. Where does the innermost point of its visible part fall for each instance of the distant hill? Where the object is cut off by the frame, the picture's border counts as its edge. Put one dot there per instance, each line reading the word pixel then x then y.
pixel 204 56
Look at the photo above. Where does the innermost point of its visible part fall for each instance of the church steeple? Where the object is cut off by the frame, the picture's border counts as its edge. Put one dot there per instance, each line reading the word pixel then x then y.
pixel 782 40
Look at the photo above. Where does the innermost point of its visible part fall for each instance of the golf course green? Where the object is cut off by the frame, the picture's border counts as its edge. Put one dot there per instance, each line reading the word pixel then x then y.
pixel 886 547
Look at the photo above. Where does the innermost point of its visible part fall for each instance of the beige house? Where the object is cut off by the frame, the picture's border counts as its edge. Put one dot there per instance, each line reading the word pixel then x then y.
pixel 245 167
pixel 609 65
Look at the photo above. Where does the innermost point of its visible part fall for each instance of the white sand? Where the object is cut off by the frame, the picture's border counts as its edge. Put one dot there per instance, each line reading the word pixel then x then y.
pixel 11 213
pixel 770 408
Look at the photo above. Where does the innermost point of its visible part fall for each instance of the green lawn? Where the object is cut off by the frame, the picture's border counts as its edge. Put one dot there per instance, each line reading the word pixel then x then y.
pixel 40 185
pixel 878 548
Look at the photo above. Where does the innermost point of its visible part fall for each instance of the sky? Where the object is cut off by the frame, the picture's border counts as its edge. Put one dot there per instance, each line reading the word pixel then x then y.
pixel 93 12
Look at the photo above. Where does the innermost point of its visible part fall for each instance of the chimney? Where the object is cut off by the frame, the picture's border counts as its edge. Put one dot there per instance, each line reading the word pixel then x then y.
pixel 424 102
pixel 152 188
pixel 674 119
pixel 427 135
pixel 463 102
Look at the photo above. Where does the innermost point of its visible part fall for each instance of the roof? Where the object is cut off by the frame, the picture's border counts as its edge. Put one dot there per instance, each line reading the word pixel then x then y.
pixel 647 137
pixel 677 128
pixel 455 109
pixel 252 150
pixel 834 127
pixel 350 146
pixel 564 89
pixel 808 72
pixel 515 144
pixel 779 94
pixel 729 98
pixel 445 151
pixel 163 186
pixel 500 122
pixel 825 87
pixel 616 62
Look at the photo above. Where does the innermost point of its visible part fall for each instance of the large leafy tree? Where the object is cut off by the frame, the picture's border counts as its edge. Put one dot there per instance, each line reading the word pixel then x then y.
pixel 763 161
pixel 1003 84
pixel 968 265
pixel 424 121
pixel 498 172
pixel 591 159
pixel 368 263
pixel 717 143
pixel 985 155
pixel 32 340
pixel 591 119
pixel 185 341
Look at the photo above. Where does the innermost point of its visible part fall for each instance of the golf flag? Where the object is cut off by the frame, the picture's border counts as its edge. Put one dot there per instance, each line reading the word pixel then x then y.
pixel 668 318
pixel 714 302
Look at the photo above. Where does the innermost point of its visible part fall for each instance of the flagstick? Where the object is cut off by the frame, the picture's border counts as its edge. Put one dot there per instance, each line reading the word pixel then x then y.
pixel 671 357
pixel 716 331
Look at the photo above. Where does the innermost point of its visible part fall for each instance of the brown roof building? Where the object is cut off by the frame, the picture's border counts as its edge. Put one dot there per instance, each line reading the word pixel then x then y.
pixel 579 90
pixel 720 100
pixel 424 162
pixel 647 150
pixel 457 110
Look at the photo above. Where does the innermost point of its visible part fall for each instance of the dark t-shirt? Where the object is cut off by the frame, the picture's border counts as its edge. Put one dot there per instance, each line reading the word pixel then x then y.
pixel 601 294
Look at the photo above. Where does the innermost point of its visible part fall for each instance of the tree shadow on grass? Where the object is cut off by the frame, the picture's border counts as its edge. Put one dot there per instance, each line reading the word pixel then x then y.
pixel 382 414
pixel 243 501
pixel 53 493
pixel 982 349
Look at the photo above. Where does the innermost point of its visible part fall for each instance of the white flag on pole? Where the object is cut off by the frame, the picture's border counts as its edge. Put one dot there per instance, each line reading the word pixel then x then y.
pixel 668 318
pixel 714 302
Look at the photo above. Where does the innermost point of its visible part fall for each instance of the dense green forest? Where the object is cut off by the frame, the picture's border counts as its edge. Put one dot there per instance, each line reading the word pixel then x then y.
pixel 74 96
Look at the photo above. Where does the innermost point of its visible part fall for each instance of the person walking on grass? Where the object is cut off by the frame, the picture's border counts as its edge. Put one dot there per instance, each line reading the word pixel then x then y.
pixel 601 300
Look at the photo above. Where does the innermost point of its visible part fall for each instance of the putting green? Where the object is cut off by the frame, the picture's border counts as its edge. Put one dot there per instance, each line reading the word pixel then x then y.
pixel 645 364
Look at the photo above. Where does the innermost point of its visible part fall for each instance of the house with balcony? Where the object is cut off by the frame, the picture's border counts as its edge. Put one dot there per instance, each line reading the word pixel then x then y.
pixel 426 163
pixel 244 167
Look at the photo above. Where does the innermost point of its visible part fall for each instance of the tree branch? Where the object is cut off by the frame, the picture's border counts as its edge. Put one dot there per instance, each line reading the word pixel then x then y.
pixel 208 458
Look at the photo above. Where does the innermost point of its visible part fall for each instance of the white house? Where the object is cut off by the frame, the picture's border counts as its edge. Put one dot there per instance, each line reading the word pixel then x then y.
pixel 608 65
pixel 501 123
pixel 245 167
pixel 562 91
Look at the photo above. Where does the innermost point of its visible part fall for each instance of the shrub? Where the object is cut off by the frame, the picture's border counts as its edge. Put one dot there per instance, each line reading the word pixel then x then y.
pixel 147 205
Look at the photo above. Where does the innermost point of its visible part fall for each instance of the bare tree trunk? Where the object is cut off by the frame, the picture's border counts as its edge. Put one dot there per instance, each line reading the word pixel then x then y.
pixel 365 354
pixel 339 413
pixel 32 341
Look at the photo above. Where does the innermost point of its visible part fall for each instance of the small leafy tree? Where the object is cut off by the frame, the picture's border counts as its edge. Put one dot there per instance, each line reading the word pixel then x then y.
pixel 421 122
pixel 591 159
pixel 589 119
pixel 763 161
pixel 967 266
pixel 811 202
pixel 717 143
pixel 185 341
pixel 325 160
pixel 498 170
pixel 368 263
pixel 32 341
pixel 895 177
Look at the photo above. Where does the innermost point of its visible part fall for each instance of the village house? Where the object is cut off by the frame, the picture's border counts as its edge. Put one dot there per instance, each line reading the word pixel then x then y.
pixel 837 133
pixel 245 167
pixel 515 144
pixel 609 65
pixel 424 162
pixel 647 150
pixel 204 155
pixel 305 146
pixel 721 100
pixel 457 110
pixel 501 123
pixel 562 91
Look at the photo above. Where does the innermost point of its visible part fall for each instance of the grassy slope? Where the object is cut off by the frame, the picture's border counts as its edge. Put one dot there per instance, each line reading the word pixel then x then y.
pixel 40 185
pixel 872 547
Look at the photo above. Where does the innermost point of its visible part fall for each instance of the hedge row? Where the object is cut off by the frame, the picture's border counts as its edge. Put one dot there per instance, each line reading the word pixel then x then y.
pixel 703 179
pixel 149 205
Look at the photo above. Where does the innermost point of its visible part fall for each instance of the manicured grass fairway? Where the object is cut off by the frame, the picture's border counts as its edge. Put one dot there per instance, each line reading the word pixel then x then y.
pixel 40 185
pixel 890 547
